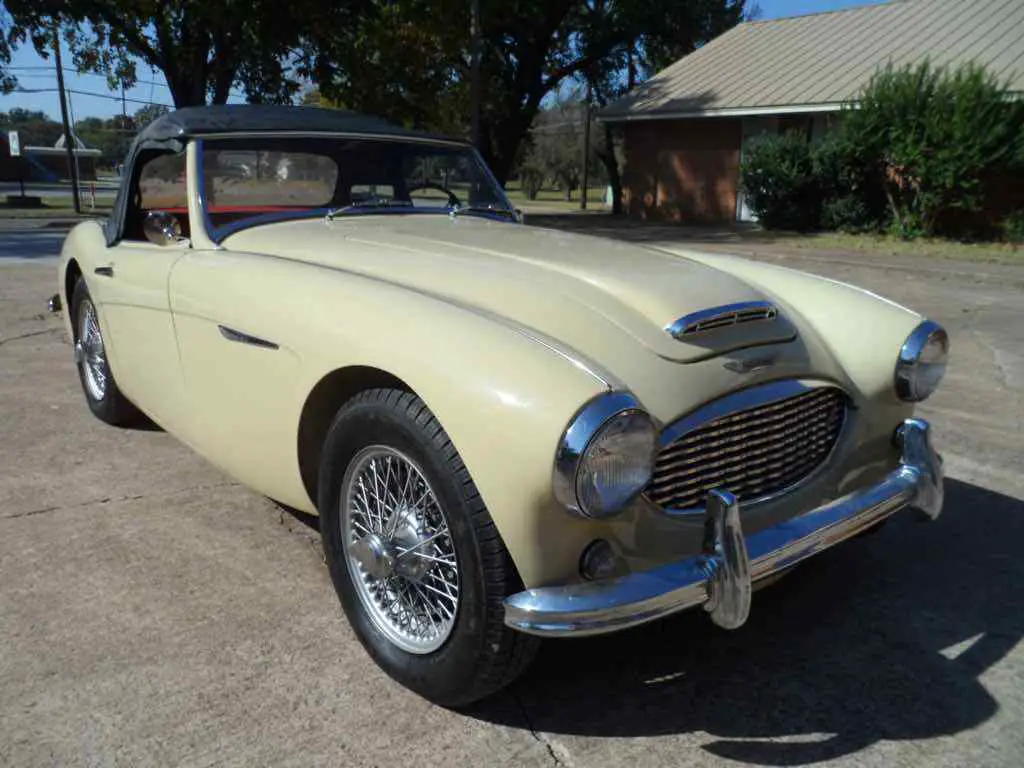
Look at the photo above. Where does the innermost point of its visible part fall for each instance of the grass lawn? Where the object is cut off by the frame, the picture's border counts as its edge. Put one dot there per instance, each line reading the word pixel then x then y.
pixel 892 246
pixel 55 206
pixel 554 198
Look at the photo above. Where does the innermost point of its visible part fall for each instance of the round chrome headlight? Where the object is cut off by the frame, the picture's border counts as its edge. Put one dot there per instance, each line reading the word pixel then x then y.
pixel 606 456
pixel 922 362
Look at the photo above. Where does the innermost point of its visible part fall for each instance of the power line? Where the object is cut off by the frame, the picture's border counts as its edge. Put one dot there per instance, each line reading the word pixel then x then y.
pixel 47 71
pixel 94 94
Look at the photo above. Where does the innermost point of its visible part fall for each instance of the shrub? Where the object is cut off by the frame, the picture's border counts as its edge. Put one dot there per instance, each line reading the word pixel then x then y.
pixel 934 135
pixel 779 179
pixel 852 197
pixel 1013 228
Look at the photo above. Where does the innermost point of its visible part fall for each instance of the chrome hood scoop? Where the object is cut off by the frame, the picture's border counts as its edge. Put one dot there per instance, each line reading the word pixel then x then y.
pixel 583 291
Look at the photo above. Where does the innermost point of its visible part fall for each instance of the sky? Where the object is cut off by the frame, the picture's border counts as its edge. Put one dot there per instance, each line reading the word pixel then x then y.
pixel 37 74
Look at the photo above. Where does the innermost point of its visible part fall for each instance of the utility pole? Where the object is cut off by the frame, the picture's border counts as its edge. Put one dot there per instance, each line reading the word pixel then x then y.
pixel 474 72
pixel 69 142
pixel 586 151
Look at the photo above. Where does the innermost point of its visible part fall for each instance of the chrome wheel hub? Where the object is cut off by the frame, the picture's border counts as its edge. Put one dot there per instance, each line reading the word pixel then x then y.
pixel 400 552
pixel 89 352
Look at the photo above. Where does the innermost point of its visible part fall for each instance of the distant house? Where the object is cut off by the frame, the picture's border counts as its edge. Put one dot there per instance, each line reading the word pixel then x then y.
pixel 685 128
pixel 47 163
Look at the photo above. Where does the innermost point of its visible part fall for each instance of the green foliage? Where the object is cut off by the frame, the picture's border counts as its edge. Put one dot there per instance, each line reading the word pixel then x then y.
pixel 409 60
pixel 934 135
pixel 1013 228
pixel 204 48
pixel 532 176
pixel 850 186
pixel 111 137
pixel 147 114
pixel 921 155
pixel 9 34
pixel 34 128
pixel 778 176
pixel 555 151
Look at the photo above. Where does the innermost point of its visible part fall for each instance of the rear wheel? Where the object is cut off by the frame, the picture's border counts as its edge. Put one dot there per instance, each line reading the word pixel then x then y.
pixel 414 555
pixel 101 393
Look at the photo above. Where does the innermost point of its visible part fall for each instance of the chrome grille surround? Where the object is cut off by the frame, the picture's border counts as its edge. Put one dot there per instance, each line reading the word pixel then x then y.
pixel 757 443
pixel 722 317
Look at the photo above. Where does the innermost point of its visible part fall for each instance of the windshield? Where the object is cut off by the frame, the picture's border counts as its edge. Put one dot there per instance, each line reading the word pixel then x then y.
pixel 254 180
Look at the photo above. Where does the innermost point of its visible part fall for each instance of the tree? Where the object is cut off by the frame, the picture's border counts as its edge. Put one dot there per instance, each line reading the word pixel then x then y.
pixel 147 114
pixel 556 148
pixel 35 129
pixel 409 59
pixel 204 48
pixel 8 34
pixel 112 137
pixel 649 36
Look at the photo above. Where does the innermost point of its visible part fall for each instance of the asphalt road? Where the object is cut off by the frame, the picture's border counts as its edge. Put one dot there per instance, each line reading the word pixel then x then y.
pixel 26 243
pixel 153 612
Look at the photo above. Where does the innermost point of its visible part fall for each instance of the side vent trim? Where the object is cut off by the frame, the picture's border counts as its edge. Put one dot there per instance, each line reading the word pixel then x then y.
pixel 243 338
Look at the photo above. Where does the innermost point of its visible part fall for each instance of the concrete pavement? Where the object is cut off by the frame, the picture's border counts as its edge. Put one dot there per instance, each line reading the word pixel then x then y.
pixel 152 612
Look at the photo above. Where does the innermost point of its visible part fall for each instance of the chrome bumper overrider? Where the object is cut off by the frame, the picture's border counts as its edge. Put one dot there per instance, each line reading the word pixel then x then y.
pixel 720 578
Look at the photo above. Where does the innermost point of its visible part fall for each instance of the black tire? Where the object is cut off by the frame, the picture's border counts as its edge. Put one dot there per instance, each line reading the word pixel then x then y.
pixel 481 655
pixel 111 407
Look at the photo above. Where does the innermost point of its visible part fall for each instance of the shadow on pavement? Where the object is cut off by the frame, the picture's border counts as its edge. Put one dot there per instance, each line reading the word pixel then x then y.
pixel 30 243
pixel 882 638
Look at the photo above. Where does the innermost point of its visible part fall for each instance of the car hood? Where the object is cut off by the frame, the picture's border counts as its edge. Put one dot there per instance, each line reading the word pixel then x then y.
pixel 575 289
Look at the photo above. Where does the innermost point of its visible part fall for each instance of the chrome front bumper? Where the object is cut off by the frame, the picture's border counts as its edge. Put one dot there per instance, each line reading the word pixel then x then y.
pixel 720 578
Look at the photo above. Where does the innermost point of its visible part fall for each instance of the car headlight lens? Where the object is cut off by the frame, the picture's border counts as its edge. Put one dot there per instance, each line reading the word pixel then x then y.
pixel 922 362
pixel 606 456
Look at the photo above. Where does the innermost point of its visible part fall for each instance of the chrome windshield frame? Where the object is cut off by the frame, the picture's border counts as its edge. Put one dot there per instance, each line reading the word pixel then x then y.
pixel 217 235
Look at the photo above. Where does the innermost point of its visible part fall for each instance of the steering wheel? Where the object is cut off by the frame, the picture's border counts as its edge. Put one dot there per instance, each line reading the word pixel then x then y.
pixel 453 200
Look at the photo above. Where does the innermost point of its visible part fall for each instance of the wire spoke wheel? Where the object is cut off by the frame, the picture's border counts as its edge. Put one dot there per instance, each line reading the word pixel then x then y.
pixel 401 556
pixel 89 351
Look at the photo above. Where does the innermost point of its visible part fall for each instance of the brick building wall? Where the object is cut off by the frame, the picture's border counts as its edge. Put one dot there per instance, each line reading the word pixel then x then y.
pixel 682 170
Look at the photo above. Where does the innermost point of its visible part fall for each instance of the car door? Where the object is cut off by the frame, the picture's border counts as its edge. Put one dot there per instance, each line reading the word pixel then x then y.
pixel 133 279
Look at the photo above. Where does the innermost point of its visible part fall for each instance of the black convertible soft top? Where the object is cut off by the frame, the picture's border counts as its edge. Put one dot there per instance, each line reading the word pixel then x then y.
pixel 172 131
pixel 233 118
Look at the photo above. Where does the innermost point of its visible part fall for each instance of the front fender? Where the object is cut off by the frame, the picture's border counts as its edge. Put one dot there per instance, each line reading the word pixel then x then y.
pixel 503 397
pixel 85 244
pixel 862 331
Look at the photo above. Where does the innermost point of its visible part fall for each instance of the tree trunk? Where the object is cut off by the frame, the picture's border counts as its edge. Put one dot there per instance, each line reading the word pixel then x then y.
pixel 501 138
pixel 611 167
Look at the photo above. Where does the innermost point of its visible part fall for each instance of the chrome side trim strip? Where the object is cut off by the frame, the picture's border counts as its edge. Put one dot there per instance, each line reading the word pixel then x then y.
pixel 244 338
pixel 722 317
pixel 721 576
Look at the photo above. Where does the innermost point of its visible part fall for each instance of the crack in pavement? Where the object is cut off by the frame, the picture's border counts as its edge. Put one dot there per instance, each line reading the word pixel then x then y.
pixel 27 334
pixel 539 737
pixel 116 499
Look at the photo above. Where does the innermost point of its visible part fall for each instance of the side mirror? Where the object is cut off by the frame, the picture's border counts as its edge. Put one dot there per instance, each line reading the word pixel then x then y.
pixel 162 228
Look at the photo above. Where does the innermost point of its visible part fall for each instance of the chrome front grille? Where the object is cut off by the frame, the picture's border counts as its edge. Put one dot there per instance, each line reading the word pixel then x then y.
pixel 754 452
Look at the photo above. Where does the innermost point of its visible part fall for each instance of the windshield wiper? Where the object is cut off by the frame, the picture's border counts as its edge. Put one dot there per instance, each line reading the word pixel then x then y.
pixel 364 205
pixel 458 210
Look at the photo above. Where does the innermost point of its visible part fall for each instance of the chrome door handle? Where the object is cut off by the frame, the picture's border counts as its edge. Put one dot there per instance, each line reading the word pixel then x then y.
pixel 104 271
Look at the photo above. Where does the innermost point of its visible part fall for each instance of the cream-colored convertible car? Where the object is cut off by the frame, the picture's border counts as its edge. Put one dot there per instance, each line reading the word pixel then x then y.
pixel 507 432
